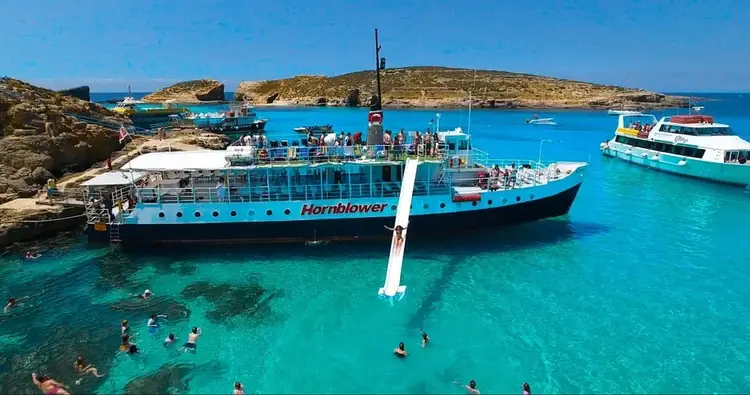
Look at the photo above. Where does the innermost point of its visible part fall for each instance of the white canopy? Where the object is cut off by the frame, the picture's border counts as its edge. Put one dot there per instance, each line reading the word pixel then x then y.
pixel 182 160
pixel 115 178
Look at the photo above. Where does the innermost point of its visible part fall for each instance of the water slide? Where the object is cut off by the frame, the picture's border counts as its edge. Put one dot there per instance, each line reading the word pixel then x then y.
pixel 392 286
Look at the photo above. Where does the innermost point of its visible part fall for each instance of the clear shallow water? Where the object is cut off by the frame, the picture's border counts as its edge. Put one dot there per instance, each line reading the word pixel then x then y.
pixel 642 288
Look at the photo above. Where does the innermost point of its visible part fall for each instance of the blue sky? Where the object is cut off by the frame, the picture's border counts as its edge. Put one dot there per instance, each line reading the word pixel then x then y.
pixel 660 44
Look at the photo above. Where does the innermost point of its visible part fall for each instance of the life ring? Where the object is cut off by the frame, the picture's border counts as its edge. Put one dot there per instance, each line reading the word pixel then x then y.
pixel 263 154
pixel 376 117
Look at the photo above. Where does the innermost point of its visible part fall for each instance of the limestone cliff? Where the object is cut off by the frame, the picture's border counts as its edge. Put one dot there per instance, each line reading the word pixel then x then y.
pixel 196 91
pixel 38 139
pixel 80 92
pixel 449 87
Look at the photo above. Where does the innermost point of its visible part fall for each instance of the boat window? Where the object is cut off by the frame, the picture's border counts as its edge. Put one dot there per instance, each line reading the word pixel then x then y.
pixel 451 146
pixel 715 131
pixel 733 156
pixel 386 174
pixel 664 128
pixel 688 151
pixel 463 145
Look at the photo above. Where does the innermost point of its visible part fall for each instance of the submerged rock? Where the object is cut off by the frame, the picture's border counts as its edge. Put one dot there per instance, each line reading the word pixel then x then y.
pixel 230 300
pixel 170 379
pixel 174 310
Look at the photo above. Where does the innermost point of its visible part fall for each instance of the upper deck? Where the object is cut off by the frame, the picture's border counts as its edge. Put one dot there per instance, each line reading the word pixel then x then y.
pixel 699 131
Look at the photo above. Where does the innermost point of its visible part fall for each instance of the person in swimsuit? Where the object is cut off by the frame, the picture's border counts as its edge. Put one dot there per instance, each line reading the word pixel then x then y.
pixel 29 255
pixel 133 349
pixel 400 352
pixel 399 230
pixel 153 322
pixel 125 328
pixel 145 295
pixel 48 386
pixel 192 338
pixel 526 389
pixel 81 366
pixel 472 388
pixel 425 338
pixel 13 303
pixel 239 389
pixel 125 342
pixel 170 340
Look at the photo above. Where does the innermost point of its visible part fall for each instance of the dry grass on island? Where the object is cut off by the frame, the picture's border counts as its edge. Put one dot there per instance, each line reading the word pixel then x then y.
pixel 425 87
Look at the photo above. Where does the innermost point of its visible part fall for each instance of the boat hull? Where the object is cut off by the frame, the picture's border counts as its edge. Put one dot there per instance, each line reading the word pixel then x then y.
pixel 723 173
pixel 358 228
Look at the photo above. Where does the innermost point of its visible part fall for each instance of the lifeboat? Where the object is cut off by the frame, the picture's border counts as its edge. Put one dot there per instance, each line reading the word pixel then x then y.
pixel 688 119
pixel 474 197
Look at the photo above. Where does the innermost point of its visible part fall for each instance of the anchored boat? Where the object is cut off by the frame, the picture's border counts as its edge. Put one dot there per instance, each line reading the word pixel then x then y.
pixel 273 190
pixel 688 145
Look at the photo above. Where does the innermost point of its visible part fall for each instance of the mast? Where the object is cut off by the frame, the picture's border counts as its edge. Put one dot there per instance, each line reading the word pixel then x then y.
pixel 375 117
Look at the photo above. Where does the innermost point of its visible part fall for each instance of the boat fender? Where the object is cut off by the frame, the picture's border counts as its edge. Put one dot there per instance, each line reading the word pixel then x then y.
pixel 742 160
pixel 603 145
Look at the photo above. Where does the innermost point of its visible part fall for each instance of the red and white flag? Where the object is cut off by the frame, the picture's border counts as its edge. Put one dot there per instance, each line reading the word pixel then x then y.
pixel 123 133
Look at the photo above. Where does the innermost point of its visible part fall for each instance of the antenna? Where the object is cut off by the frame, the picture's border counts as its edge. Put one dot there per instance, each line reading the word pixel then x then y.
pixel 473 81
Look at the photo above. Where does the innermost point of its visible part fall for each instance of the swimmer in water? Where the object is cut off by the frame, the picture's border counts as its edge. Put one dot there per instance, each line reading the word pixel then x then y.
pixel 125 342
pixel 29 255
pixel 145 295
pixel 239 389
pixel 425 338
pixel 170 340
pixel 125 328
pixel 526 389
pixel 48 386
pixel 13 303
pixel 133 349
pixel 471 388
pixel 400 352
pixel 192 338
pixel 399 231
pixel 81 366
pixel 153 322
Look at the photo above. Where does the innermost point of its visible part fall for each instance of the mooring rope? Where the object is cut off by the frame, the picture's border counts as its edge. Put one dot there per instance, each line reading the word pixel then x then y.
pixel 34 221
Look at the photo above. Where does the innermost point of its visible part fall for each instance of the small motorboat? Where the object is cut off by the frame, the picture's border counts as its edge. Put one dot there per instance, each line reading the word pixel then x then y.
pixel 315 129
pixel 623 112
pixel 541 121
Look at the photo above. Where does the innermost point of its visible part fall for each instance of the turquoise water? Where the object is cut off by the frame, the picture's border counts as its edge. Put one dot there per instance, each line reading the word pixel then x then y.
pixel 641 289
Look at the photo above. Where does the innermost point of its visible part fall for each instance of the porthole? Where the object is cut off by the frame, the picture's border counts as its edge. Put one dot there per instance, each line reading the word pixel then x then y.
pixel 474 204
pixel 442 205
pixel 505 200
pixel 489 202
pixel 197 214
pixel 179 214
pixel 287 211
pixel 531 197
pixel 215 213
pixel 251 213
pixel 393 207
pixel 233 213
pixel 426 206
pixel 269 212
pixel 518 198
pixel 161 214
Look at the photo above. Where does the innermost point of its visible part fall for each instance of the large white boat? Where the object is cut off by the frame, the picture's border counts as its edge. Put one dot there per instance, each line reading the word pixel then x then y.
pixel 688 145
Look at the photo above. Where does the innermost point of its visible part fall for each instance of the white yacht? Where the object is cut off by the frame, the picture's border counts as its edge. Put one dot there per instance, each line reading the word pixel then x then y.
pixel 688 145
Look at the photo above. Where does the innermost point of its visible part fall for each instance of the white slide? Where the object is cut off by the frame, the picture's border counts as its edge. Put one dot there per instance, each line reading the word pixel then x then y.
pixel 392 286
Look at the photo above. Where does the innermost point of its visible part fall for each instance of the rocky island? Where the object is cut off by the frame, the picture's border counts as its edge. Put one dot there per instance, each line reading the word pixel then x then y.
pixel 189 92
pixel 445 87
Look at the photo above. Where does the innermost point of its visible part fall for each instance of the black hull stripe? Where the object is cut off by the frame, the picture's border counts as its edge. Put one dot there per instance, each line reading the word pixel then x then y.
pixel 421 226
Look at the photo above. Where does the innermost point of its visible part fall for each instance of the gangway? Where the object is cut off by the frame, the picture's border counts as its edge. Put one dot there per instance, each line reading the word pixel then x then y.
pixel 392 286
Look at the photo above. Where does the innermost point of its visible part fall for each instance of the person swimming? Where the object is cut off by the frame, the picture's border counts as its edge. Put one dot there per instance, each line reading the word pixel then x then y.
pixel 125 342
pixel 170 340
pixel 399 231
pixel 48 386
pixel 81 366
pixel 526 389
pixel 400 352
pixel 192 339
pixel 145 295
pixel 133 349
pixel 125 328
pixel 239 389
pixel 471 388
pixel 153 322
pixel 13 303
pixel 425 338
pixel 29 255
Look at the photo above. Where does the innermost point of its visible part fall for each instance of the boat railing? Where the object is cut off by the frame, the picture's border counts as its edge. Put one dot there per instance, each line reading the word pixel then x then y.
pixel 263 155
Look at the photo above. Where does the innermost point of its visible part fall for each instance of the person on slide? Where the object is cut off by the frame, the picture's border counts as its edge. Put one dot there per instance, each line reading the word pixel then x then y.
pixel 48 386
pixel 399 231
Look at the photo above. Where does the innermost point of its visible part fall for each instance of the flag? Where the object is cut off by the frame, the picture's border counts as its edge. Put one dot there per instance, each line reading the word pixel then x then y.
pixel 123 133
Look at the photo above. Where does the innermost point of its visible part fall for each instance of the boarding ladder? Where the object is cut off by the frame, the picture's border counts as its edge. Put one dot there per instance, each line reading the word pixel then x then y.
pixel 392 286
